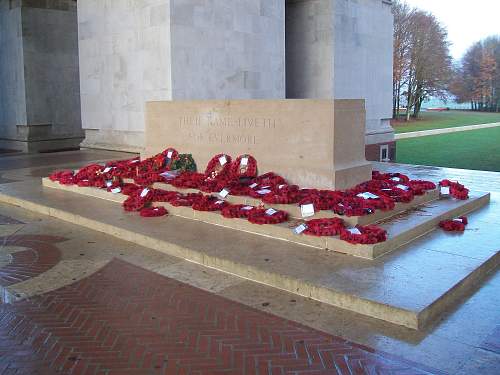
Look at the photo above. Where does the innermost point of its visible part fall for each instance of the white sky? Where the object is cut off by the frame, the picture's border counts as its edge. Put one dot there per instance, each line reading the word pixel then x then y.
pixel 467 21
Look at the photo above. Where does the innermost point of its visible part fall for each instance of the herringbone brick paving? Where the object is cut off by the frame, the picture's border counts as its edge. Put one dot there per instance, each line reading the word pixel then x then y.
pixel 127 320
pixel 40 255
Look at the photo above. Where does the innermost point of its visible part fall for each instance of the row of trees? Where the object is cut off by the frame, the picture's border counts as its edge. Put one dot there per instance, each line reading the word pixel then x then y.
pixel 422 62
pixel 476 77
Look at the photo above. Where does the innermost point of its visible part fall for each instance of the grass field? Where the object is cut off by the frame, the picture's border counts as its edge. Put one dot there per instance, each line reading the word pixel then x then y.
pixel 446 119
pixel 476 149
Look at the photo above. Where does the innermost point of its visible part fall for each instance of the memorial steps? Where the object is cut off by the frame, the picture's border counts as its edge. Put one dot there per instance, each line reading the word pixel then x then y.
pixel 406 287
pixel 405 223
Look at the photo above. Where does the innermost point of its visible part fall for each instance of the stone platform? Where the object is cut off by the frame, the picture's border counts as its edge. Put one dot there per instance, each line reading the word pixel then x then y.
pixel 403 224
pixel 412 286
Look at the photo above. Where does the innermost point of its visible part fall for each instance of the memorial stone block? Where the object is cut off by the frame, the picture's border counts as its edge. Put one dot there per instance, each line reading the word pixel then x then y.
pixel 311 142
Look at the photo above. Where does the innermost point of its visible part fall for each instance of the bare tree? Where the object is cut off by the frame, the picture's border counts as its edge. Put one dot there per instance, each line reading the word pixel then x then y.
pixel 477 78
pixel 422 65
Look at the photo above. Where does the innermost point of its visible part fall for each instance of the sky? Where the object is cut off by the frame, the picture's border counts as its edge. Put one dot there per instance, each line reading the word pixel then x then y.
pixel 467 21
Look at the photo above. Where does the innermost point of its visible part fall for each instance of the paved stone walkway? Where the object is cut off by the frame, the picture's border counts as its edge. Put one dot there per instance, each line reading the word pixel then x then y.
pixel 423 133
pixel 127 320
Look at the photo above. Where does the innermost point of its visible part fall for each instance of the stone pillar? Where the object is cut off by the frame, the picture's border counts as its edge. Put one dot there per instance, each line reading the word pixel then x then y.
pixel 342 49
pixel 134 52
pixel 39 93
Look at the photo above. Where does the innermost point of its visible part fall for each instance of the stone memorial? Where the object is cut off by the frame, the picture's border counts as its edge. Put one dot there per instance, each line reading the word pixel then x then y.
pixel 314 143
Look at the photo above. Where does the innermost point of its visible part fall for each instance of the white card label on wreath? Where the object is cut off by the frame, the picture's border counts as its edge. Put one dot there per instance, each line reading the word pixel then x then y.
pixel 307 210
pixel 134 161
pixel 396 179
pixel 169 175
pixel 386 189
pixel 458 220
pixel 281 186
pixel 106 170
pixel 247 208
pixel 368 195
pixel 402 187
pixel 244 161
pixel 109 183
pixel 223 193
pixel 354 230
pixel 263 191
pixel 144 192
pixel 445 190
pixel 116 190
pixel 265 187
pixel 222 160
pixel 253 185
pixel 300 229
pixel 219 202
pixel 169 154
pixel 270 211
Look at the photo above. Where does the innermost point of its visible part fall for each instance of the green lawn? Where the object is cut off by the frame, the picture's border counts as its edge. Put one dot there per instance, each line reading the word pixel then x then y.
pixel 476 149
pixel 445 119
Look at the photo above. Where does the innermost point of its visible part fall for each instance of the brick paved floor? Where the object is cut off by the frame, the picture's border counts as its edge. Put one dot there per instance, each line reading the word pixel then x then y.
pixel 127 320
pixel 40 255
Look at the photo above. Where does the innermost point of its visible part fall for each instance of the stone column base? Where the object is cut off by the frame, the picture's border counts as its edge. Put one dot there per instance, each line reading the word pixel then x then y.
pixel 43 145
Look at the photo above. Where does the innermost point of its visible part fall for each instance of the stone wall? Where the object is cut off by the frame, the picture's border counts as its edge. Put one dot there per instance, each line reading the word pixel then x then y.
pixel 124 61
pixel 12 98
pixel 363 61
pixel 133 52
pixel 310 49
pixel 342 49
pixel 39 94
pixel 228 49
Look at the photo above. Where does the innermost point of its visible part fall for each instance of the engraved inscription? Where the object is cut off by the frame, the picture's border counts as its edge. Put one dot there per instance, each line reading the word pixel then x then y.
pixel 210 128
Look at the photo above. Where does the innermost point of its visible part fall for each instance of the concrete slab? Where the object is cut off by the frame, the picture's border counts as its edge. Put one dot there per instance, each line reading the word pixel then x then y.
pixel 410 287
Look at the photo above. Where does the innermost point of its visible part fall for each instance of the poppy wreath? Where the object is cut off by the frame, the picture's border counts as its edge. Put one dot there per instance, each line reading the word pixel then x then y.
pixel 396 178
pixel 188 180
pixel 209 203
pixel 65 177
pixel 419 187
pixel 185 200
pixel 113 184
pixel 138 199
pixel 283 194
pixel 147 179
pixel 269 179
pixel 89 172
pixel 169 156
pixel 238 211
pixel 238 188
pixel 260 216
pixel 455 225
pixel 160 195
pixel 316 201
pixel 398 194
pixel 352 206
pixel 384 202
pixel 259 191
pixel 324 227
pixel 184 163
pixel 457 190
pixel 210 185
pixel 130 189
pixel 370 234
pixel 241 170
pixel 215 168
pixel 134 203
pixel 153 212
